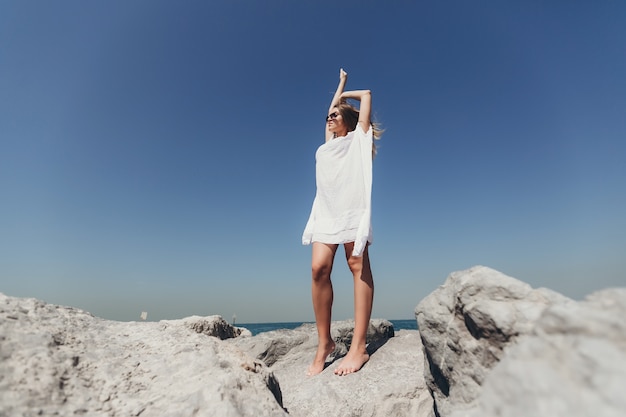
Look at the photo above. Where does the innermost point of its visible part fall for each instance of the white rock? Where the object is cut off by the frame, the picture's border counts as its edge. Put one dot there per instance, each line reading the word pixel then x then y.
pixel 390 384
pixel 63 361
pixel 466 325
pixel 572 364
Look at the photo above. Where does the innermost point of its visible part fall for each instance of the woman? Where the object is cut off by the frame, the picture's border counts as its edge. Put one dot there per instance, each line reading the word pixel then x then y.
pixel 341 215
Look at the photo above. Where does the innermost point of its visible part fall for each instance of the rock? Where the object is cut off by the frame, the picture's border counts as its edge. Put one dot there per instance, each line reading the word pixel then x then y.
pixel 488 346
pixel 466 325
pixel 390 384
pixel 573 364
pixel 213 326
pixel 285 345
pixel 63 361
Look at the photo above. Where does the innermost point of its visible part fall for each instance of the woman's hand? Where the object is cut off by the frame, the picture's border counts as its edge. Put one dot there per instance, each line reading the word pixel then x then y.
pixel 343 76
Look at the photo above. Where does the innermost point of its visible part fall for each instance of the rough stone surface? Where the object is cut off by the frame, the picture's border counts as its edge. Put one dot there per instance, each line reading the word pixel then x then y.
pixel 573 364
pixel 285 346
pixel 213 326
pixel 58 360
pixel 488 346
pixel 390 384
pixel 63 361
pixel 466 325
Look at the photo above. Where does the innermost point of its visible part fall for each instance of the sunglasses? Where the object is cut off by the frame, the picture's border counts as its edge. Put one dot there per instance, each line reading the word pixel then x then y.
pixel 332 116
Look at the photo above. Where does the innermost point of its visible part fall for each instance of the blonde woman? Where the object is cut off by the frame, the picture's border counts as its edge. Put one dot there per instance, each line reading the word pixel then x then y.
pixel 341 215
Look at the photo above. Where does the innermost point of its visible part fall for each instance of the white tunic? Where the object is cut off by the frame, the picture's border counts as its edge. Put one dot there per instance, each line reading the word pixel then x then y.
pixel 341 210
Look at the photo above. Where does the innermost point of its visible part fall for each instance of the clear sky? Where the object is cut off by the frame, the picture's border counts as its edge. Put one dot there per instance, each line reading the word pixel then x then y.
pixel 159 155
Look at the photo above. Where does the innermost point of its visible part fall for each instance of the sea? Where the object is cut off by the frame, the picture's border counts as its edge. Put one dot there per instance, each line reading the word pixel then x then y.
pixel 256 328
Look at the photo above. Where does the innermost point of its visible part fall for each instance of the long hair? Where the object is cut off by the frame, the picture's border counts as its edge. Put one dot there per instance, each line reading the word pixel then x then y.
pixel 350 116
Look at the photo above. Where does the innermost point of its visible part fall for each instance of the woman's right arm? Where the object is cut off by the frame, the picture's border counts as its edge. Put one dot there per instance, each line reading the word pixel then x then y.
pixel 343 77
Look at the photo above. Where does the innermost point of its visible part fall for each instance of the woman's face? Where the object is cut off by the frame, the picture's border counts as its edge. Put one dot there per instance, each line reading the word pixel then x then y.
pixel 335 122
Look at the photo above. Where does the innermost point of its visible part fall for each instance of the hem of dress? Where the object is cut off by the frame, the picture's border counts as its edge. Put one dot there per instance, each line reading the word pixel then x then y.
pixel 342 242
pixel 344 236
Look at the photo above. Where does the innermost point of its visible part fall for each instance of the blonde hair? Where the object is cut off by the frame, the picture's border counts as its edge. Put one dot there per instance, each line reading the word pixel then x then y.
pixel 350 116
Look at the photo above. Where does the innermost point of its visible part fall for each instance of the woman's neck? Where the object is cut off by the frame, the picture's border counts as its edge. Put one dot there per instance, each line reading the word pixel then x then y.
pixel 341 133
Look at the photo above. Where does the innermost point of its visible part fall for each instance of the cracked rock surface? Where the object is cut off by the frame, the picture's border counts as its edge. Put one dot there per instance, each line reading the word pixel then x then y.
pixel 58 360
pixel 390 384
pixel 494 346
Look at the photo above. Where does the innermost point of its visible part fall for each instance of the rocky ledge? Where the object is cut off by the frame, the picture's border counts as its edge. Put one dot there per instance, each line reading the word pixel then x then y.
pixel 488 345
pixel 494 346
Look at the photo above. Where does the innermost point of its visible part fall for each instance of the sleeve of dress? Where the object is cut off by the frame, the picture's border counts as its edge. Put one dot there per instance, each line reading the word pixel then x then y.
pixel 364 232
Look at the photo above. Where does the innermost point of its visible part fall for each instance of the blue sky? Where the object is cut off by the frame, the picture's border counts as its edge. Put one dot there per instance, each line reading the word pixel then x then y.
pixel 159 156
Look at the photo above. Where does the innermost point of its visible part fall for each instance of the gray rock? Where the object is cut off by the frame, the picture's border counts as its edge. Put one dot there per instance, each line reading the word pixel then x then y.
pixel 573 364
pixel 390 384
pixel 63 361
pixel 466 325
pixel 212 326
pixel 489 346
pixel 286 345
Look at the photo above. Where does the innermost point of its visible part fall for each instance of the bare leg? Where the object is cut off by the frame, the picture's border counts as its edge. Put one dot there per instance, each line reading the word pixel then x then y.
pixel 363 298
pixel 322 291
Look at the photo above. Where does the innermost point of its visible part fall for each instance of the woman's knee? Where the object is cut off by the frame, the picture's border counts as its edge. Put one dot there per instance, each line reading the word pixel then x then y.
pixel 320 271
pixel 355 264
pixel 322 260
pixel 359 265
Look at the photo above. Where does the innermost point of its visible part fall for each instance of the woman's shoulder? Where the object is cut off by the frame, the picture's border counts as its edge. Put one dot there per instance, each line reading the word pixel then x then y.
pixel 361 131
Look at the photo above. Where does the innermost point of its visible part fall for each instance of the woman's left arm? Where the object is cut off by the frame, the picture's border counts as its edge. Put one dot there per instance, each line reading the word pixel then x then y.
pixel 365 109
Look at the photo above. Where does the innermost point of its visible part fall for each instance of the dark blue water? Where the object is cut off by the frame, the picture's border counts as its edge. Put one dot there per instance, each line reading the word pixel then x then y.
pixel 257 328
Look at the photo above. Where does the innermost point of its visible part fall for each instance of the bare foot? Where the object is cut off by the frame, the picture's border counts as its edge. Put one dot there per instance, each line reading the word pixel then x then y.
pixel 320 358
pixel 353 362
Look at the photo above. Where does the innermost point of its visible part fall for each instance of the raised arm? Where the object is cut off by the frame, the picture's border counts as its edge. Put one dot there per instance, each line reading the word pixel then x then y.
pixel 365 109
pixel 343 77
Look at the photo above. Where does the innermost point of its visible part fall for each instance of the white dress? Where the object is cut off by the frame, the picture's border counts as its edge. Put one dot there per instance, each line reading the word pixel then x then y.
pixel 341 210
